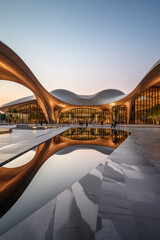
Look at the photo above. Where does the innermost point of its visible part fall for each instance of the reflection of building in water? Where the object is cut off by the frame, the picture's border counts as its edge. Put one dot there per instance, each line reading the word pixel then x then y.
pixel 117 136
pixel 13 181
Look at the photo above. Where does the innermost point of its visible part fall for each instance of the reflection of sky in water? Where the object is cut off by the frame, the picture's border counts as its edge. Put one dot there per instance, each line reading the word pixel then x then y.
pixel 56 174
pixel 21 160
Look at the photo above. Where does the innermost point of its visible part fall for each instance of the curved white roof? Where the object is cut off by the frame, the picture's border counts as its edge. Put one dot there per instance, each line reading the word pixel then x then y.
pixel 102 97
pixel 20 100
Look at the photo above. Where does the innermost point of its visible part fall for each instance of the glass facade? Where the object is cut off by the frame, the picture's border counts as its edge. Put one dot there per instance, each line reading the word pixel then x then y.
pixel 92 115
pixel 143 106
pixel 86 114
pixel 32 113
pixel 141 111
pixel 122 114
pixel 29 113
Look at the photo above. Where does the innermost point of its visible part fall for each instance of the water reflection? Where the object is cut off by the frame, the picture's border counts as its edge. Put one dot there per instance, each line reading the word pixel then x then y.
pixel 13 181
pixel 114 137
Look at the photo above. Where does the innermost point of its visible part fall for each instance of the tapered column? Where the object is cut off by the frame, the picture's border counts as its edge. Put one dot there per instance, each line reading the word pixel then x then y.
pixel 128 106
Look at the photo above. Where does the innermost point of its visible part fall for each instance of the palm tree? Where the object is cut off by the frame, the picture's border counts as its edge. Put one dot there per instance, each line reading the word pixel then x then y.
pixel 61 116
pixel 115 113
pixel 10 113
pixel 72 116
pixel 2 116
pixel 14 111
pixel 35 117
pixel 16 118
pixel 92 116
pixel 154 114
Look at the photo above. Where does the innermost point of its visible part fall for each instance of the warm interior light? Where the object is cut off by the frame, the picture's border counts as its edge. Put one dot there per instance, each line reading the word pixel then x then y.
pixel 112 104
pixel 4 130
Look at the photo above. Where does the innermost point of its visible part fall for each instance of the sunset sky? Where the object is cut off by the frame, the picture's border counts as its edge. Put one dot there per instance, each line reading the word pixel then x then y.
pixel 81 45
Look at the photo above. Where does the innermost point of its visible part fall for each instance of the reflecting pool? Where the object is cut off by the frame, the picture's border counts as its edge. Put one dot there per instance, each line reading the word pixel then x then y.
pixel 32 180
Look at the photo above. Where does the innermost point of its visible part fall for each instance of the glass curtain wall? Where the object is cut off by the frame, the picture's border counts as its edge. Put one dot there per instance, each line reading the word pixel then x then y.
pixel 29 113
pixel 92 116
pixel 32 113
pixel 143 106
pixel 122 114
pixel 86 114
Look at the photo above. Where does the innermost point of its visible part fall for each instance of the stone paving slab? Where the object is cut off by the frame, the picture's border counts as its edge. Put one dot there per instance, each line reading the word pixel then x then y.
pixel 133 183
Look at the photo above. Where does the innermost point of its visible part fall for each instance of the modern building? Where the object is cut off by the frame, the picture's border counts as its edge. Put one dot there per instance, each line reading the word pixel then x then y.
pixel 138 107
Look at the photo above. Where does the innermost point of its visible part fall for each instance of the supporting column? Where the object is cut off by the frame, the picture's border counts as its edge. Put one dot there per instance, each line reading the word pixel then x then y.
pixel 128 106
pixel 59 113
